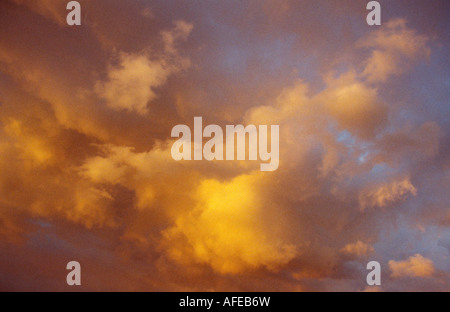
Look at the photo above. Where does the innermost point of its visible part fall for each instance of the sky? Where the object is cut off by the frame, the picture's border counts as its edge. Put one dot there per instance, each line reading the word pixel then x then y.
pixel 86 171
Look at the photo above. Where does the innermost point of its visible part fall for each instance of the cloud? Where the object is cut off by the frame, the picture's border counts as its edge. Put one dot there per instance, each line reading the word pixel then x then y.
pixel 228 229
pixel 387 194
pixel 394 47
pixel 180 32
pixel 86 171
pixel 132 84
pixel 359 249
pixel 415 266
pixel 215 226
pixel 355 106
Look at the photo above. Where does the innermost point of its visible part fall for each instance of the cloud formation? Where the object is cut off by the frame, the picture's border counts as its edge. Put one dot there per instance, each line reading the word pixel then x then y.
pixel 387 194
pixel 229 229
pixel 414 266
pixel 359 249
pixel 393 49
pixel 86 171
pixel 131 84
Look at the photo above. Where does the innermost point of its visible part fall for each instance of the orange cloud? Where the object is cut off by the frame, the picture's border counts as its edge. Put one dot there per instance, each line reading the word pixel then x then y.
pixel 359 249
pixel 394 47
pixel 52 9
pixel 131 84
pixel 355 106
pixel 86 168
pixel 387 194
pixel 228 229
pixel 415 266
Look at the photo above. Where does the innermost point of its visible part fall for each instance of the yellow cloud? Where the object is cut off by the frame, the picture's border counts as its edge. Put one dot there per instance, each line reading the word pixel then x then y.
pixel 92 208
pixel 33 148
pixel 70 158
pixel 227 229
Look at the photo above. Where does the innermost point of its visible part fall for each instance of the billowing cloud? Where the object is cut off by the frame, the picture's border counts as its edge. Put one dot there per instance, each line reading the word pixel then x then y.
pixel 387 194
pixel 229 229
pixel 373 289
pixel 86 170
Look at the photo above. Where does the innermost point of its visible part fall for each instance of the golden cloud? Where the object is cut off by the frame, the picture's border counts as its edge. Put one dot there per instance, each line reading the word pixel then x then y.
pixel 229 229
pixel 85 147
pixel 387 194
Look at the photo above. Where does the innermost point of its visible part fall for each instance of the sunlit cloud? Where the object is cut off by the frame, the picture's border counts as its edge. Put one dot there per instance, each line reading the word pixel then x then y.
pixel 414 266
pixel 86 170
